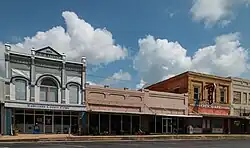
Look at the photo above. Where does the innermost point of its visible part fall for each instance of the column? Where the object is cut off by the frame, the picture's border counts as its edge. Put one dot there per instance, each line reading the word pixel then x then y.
pixel 121 122
pixel 2 119
pixel 84 65
pixel 109 123
pixel 32 77
pixel 84 121
pixel 140 122
pixel 99 123
pixel 131 124
pixel 7 62
pixel 155 123
pixel 229 126
pixel 8 121
pixel 63 79
pixel 53 122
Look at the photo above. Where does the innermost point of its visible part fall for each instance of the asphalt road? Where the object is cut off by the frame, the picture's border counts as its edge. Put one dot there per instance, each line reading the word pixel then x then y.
pixel 134 144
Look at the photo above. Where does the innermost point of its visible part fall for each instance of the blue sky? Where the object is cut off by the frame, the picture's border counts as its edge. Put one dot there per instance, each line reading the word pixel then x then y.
pixel 150 40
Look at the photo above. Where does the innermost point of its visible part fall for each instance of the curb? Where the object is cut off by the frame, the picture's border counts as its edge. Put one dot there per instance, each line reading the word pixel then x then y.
pixel 129 138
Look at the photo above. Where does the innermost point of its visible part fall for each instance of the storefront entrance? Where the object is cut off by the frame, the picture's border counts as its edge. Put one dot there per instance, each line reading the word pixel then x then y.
pixel 167 125
pixel 48 121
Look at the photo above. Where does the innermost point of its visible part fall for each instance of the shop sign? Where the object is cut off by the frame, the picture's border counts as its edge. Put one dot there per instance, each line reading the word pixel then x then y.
pixel 210 106
pixel 47 106
pixel 210 111
pixel 43 106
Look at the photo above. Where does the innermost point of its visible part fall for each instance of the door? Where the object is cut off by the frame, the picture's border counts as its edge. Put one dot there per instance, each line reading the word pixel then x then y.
pixel 48 124
pixel 167 125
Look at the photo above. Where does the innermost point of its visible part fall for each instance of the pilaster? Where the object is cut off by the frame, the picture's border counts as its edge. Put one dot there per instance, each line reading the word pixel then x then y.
pixel 32 77
pixel 63 79
pixel 84 65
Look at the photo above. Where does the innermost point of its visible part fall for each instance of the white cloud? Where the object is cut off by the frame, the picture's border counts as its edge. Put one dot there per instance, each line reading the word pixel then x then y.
pixel 214 11
pixel 79 39
pixel 159 59
pixel 141 85
pixel 117 77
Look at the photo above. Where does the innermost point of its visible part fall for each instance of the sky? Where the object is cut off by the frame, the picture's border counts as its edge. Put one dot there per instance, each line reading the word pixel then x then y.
pixel 134 43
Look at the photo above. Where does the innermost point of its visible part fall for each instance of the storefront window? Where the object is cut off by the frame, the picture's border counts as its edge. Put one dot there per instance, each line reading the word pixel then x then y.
pixel 115 124
pixel 126 124
pixel 94 124
pixel 39 119
pixel 66 124
pixel 217 123
pixel 135 123
pixel 57 124
pixel 48 121
pixel 19 121
pixel 29 123
pixel 104 123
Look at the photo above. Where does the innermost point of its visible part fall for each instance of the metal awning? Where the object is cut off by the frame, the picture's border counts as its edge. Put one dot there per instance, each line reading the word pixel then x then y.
pixel 223 116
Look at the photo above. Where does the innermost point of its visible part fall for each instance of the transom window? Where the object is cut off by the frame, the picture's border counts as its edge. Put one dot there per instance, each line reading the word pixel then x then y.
pixel 48 90
pixel 20 89
pixel 73 94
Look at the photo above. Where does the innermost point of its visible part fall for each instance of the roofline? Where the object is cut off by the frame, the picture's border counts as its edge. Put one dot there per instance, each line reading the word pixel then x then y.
pixel 239 79
pixel 42 58
pixel 38 50
pixel 174 77
pixel 209 76
pixel 192 73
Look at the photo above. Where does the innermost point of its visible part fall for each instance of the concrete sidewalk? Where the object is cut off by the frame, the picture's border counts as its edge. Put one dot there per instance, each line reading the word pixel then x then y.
pixel 67 137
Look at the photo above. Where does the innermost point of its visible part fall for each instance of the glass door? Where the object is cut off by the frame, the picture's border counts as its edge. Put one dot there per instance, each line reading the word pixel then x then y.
pixel 167 125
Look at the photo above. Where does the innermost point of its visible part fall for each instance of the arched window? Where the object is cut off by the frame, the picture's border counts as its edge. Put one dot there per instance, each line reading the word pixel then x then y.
pixel 73 94
pixel 48 90
pixel 20 89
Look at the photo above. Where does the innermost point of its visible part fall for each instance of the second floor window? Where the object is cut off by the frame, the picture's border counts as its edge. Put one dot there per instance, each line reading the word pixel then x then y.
pixel 236 97
pixel 20 89
pixel 48 90
pixel 196 93
pixel 244 99
pixel 73 94
pixel 222 96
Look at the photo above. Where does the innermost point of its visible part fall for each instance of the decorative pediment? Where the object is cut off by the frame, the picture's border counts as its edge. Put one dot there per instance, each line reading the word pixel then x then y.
pixel 48 52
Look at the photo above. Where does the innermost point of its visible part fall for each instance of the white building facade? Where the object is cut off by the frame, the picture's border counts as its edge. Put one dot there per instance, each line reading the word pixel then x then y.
pixel 240 101
pixel 43 88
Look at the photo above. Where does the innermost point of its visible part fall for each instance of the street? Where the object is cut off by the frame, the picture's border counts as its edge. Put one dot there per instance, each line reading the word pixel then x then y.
pixel 135 144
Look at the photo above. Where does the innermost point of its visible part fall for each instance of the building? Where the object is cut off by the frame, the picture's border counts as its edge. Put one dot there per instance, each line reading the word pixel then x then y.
pixel 208 95
pixel 122 111
pixel 240 105
pixel 42 88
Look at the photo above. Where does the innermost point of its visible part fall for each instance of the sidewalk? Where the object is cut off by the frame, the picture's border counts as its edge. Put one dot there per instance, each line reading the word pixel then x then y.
pixel 67 137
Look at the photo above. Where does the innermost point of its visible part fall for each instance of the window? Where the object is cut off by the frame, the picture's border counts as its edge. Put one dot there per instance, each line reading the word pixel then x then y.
pixel 48 90
pixel 73 94
pixel 20 89
pixel 236 97
pixel 249 99
pixel 196 94
pixel 244 99
pixel 222 96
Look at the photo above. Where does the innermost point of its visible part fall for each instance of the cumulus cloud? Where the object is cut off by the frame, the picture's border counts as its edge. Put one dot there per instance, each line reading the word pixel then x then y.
pixel 215 11
pixel 141 85
pixel 159 59
pixel 78 39
pixel 117 77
